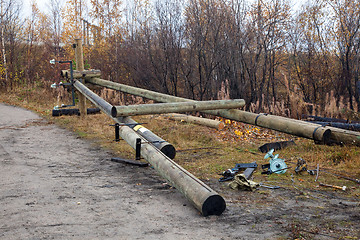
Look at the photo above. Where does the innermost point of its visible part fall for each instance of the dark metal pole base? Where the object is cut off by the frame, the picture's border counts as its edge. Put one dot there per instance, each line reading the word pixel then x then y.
pixel 73 111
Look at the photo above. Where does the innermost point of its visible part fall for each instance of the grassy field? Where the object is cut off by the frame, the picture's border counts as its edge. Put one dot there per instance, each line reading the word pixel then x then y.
pixel 206 152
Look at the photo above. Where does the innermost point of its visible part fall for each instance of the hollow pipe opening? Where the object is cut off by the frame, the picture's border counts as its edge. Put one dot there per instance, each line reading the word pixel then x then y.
pixel 113 112
pixel 213 205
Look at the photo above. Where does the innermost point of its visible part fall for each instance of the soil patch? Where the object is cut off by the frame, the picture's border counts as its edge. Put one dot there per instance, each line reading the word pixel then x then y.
pixel 55 185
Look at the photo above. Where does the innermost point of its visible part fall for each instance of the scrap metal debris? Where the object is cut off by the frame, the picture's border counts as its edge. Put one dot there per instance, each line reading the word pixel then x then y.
pixel 341 176
pixel 318 170
pixel 335 174
pixel 275 165
pixel 301 166
pixel 241 183
pixel 230 173
pixel 268 186
pixel 249 171
pixel 276 145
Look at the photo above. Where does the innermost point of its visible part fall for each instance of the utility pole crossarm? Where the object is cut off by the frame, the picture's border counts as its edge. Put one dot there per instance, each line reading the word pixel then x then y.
pixel 80 67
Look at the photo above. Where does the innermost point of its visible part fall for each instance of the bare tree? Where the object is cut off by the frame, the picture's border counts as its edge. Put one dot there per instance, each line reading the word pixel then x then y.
pixel 346 32
pixel 10 34
pixel 8 16
pixel 164 47
pixel 205 34
pixel 56 25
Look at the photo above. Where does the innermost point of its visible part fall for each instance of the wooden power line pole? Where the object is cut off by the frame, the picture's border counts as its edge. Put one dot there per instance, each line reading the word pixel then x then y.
pixel 80 67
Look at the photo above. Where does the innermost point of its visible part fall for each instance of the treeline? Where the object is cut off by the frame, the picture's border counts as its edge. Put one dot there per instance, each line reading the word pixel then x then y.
pixel 280 59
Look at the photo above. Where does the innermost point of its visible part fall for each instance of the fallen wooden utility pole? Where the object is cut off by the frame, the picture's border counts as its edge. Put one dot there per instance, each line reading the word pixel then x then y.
pixel 157 108
pixel 347 126
pixel 313 118
pixel 165 147
pixel 206 200
pixel 320 134
pixel 196 120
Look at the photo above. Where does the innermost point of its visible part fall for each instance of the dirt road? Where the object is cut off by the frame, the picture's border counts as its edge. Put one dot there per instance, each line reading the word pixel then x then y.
pixel 54 185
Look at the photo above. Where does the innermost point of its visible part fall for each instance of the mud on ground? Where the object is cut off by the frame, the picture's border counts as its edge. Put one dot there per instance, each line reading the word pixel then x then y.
pixel 54 185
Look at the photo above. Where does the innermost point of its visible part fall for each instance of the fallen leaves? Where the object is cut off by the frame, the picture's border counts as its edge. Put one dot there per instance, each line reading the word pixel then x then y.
pixel 237 131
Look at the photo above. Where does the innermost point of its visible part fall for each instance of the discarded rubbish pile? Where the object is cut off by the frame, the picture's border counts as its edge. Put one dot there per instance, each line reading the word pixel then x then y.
pixel 240 175
pixel 242 180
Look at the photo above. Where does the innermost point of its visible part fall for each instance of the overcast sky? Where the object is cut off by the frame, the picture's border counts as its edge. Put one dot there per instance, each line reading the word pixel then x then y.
pixel 44 5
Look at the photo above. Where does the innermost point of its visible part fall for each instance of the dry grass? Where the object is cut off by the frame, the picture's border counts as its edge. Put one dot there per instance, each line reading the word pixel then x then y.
pixel 203 151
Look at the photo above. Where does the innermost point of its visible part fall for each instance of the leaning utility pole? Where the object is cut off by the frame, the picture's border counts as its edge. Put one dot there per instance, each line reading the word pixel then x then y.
pixel 80 67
